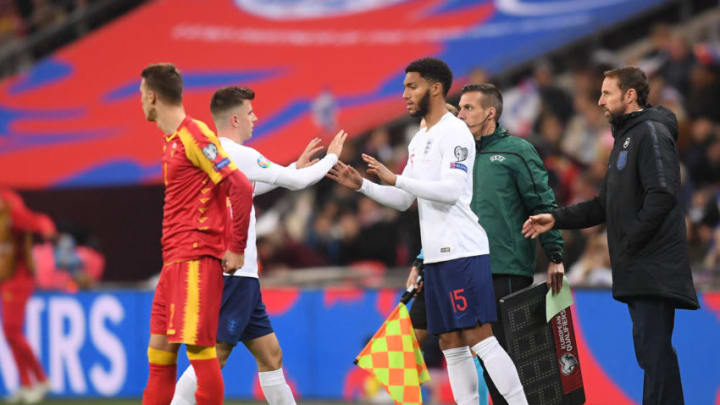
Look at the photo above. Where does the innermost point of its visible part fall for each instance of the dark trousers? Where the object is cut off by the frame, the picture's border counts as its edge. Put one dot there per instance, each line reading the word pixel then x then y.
pixel 504 284
pixel 653 321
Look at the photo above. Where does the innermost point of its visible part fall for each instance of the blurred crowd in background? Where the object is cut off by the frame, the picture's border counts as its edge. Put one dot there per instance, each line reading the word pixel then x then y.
pixel 552 103
pixel 31 29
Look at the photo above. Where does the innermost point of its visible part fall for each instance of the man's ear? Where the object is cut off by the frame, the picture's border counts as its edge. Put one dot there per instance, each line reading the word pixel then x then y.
pixel 630 96
pixel 436 89
pixel 492 114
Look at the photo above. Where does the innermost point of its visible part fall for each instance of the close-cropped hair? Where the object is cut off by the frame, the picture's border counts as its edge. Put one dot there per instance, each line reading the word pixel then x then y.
pixel 630 77
pixel 164 79
pixel 228 98
pixel 491 96
pixel 434 70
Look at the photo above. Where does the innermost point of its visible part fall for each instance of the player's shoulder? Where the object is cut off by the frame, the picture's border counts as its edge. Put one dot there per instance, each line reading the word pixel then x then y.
pixel 455 128
pixel 237 150
pixel 520 145
pixel 199 130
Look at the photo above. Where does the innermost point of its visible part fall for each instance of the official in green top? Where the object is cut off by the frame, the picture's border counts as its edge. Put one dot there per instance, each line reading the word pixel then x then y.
pixel 510 182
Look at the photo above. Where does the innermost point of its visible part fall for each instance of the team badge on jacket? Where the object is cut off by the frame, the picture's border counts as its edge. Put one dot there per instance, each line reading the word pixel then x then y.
pixel 627 143
pixel 622 159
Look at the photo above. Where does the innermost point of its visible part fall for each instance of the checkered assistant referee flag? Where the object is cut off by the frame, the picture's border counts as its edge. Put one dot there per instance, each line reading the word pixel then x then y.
pixel 393 356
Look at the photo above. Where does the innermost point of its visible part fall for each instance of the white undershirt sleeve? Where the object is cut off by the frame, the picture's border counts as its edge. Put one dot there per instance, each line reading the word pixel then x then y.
pixel 296 179
pixel 262 188
pixel 268 175
pixel 387 195
pixel 447 190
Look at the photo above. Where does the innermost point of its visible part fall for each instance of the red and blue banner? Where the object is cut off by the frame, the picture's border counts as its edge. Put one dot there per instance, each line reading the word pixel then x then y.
pixel 74 120
pixel 94 344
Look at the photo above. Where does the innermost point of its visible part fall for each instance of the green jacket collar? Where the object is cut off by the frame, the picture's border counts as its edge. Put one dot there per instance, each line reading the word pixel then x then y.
pixel 488 140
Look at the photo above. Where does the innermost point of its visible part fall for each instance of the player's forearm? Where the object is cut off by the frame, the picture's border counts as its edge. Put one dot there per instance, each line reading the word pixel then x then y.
pixel 387 195
pixel 446 191
pixel 239 191
pixel 296 179
pixel 262 188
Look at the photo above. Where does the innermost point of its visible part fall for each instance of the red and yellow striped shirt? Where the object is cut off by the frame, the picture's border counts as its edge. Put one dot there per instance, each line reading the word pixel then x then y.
pixel 194 166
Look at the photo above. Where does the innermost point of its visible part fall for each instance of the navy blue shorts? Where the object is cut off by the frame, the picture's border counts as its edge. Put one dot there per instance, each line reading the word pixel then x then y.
pixel 459 294
pixel 242 312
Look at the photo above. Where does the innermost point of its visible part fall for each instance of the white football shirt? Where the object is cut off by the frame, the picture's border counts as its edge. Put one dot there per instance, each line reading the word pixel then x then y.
pixel 439 174
pixel 265 176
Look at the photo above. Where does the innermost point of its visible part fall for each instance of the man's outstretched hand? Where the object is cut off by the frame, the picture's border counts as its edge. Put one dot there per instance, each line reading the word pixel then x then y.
pixel 346 175
pixel 380 170
pixel 537 224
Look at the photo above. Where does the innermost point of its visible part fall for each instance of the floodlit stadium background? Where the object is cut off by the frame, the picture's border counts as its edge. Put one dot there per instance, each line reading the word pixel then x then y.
pixel 74 142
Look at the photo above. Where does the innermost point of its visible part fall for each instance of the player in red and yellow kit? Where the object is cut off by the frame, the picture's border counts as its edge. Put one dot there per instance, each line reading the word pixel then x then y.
pixel 17 224
pixel 199 178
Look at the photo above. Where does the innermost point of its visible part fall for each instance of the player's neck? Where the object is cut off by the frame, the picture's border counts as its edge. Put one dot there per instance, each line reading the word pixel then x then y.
pixel 437 110
pixel 631 108
pixel 227 133
pixel 170 119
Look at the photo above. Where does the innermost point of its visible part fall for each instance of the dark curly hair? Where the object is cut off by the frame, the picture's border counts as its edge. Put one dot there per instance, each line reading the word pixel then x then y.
pixel 434 70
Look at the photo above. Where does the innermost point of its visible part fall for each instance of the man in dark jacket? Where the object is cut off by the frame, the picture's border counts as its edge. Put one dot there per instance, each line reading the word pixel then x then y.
pixel 639 202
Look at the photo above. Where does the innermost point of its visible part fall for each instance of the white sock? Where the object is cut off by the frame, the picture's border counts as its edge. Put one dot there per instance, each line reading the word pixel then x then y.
pixel 276 390
pixel 463 375
pixel 502 370
pixel 185 388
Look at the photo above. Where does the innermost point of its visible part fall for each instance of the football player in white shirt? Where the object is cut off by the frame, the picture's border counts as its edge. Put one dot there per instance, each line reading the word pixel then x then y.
pixel 458 285
pixel 242 314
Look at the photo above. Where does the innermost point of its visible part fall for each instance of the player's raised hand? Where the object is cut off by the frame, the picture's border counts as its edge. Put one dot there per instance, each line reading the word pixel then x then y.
pixel 232 261
pixel 346 175
pixel 311 149
pixel 537 224
pixel 336 145
pixel 380 170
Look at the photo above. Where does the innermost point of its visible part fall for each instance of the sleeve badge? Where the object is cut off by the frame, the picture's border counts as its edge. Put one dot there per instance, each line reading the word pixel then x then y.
pixel 210 151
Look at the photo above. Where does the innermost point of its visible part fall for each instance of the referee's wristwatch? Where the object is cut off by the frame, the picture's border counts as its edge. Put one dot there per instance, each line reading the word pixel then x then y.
pixel 556 257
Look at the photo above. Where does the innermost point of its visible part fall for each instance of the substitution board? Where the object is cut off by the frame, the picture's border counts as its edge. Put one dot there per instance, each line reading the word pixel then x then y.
pixel 545 354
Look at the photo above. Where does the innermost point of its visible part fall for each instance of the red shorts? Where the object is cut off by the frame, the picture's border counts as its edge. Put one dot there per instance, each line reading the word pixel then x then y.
pixel 186 306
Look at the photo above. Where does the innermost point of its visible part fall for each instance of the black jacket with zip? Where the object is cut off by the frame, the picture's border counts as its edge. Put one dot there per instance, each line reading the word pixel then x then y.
pixel 639 201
